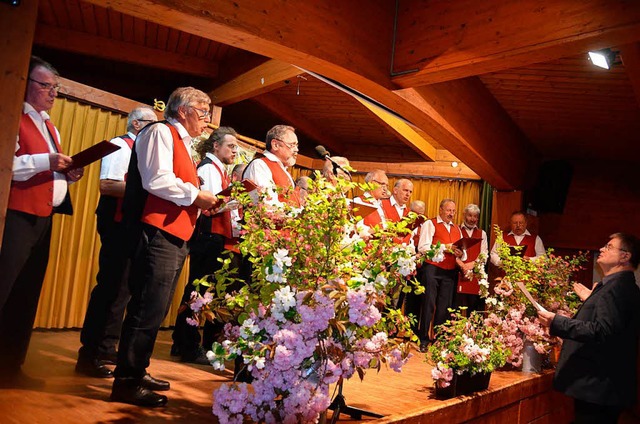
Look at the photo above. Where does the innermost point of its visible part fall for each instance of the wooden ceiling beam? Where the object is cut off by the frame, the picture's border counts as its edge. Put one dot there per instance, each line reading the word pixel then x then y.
pixel 266 77
pixel 120 51
pixel 445 40
pixel 402 129
pixel 630 54
pixel 348 42
pixel 468 110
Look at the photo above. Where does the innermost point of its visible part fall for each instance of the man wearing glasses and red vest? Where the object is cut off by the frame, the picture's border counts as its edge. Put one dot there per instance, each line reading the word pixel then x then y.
pixel 39 188
pixel 214 235
pixel 103 319
pixel 520 236
pixel 438 278
pixel 468 290
pixel 162 202
pixel 374 198
pixel 269 171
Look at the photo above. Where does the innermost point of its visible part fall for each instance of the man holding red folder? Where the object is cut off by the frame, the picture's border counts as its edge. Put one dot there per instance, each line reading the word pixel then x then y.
pixel 468 289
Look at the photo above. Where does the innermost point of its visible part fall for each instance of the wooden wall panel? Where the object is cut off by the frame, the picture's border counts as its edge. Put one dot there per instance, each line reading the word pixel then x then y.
pixel 18 24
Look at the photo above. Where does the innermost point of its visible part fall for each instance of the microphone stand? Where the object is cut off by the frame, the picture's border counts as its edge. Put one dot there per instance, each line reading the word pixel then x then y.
pixel 339 406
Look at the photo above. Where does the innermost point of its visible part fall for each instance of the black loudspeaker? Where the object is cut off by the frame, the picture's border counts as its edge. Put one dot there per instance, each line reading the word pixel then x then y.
pixel 550 193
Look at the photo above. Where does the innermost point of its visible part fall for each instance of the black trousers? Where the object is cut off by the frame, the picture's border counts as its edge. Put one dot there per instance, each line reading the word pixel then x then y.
pixel 203 260
pixel 103 319
pixel 23 264
pixel 155 268
pixel 591 413
pixel 473 302
pixel 439 287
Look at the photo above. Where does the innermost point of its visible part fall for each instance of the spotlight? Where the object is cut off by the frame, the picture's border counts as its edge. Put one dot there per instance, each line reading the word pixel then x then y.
pixel 454 164
pixel 604 58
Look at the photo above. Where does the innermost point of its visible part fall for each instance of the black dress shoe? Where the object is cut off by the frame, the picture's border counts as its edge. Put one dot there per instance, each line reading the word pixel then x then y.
pixel 151 383
pixel 175 350
pixel 110 358
pixel 93 368
pixel 199 356
pixel 19 380
pixel 136 395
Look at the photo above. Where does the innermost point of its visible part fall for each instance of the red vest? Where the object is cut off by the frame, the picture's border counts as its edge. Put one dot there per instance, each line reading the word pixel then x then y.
pixel 34 196
pixel 390 211
pixel 166 215
pixel 464 285
pixel 528 240
pixel 444 237
pixel 281 179
pixel 221 222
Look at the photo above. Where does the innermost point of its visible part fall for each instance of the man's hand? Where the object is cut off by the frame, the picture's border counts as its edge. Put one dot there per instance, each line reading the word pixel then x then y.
pixel 59 162
pixel 546 317
pixel 467 266
pixel 75 174
pixel 206 200
pixel 457 252
pixel 582 291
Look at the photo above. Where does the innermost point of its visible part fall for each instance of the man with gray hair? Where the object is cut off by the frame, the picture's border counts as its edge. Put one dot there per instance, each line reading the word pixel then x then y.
pixel 161 203
pixel 468 289
pixel 103 319
pixel 378 178
pixel 269 171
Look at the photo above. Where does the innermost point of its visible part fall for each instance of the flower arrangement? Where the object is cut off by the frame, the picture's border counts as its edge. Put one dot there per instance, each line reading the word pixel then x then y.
pixel 548 279
pixel 318 308
pixel 465 345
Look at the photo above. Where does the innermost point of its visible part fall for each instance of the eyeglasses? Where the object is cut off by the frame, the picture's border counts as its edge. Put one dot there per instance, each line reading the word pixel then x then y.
pixel 610 246
pixel 47 86
pixel 381 183
pixel 205 113
pixel 145 120
pixel 291 146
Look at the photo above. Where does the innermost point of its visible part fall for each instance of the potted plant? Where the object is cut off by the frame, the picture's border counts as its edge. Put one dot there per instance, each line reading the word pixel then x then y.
pixel 465 353
pixel 548 279
pixel 318 308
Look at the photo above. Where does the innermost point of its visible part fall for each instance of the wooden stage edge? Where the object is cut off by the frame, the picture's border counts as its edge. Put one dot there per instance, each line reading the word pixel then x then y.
pixel 407 397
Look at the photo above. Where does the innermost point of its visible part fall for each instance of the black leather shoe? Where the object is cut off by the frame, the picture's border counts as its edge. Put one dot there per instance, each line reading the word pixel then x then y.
pixel 110 358
pixel 19 380
pixel 136 395
pixel 151 383
pixel 93 368
pixel 199 356
pixel 175 350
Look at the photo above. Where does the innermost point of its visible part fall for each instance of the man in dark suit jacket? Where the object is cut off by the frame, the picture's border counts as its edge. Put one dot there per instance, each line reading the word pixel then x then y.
pixel 597 366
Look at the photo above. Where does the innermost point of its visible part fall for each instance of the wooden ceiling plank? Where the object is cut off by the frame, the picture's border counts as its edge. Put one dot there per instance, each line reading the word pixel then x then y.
pixel 102 22
pixel 45 12
pixel 139 29
pixel 203 48
pixel 115 24
pixel 183 42
pixel 163 37
pixel 402 129
pixel 127 28
pixel 119 51
pixel 59 8
pixel 630 54
pixel 151 35
pixel 173 39
pixel 446 40
pixel 422 169
pixel 261 79
pixel 75 15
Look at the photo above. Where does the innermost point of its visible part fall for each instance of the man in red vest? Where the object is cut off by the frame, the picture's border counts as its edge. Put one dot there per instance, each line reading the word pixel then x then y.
pixel 39 188
pixel 214 234
pixel 374 198
pixel 438 278
pixel 162 201
pixel 468 290
pixel 103 319
pixel 269 171
pixel 520 236
pixel 396 207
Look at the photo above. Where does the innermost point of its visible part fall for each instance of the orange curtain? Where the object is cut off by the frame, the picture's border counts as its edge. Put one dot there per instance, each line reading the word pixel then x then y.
pixel 73 260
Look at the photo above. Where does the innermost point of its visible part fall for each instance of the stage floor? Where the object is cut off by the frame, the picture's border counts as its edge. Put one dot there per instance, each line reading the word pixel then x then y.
pixel 71 398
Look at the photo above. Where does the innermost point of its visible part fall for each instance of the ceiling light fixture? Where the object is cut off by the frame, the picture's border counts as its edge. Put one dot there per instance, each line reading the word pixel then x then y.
pixel 454 164
pixel 604 58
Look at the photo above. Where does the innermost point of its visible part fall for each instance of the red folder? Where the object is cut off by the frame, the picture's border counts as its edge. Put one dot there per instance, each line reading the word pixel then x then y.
pixel 466 242
pixel 247 184
pixel 92 154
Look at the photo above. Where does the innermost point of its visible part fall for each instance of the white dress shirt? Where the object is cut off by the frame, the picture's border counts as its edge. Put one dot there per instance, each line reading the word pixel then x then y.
pixel 399 209
pixel 154 148
pixel 27 166
pixel 116 165
pixel 539 247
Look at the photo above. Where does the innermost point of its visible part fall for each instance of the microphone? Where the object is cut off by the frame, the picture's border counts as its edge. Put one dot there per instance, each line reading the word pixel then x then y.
pixel 324 154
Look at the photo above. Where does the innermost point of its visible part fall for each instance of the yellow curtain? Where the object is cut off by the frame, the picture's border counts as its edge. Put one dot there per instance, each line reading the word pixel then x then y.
pixel 430 191
pixel 73 260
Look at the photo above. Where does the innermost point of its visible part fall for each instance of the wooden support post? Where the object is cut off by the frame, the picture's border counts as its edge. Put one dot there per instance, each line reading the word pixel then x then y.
pixel 18 24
